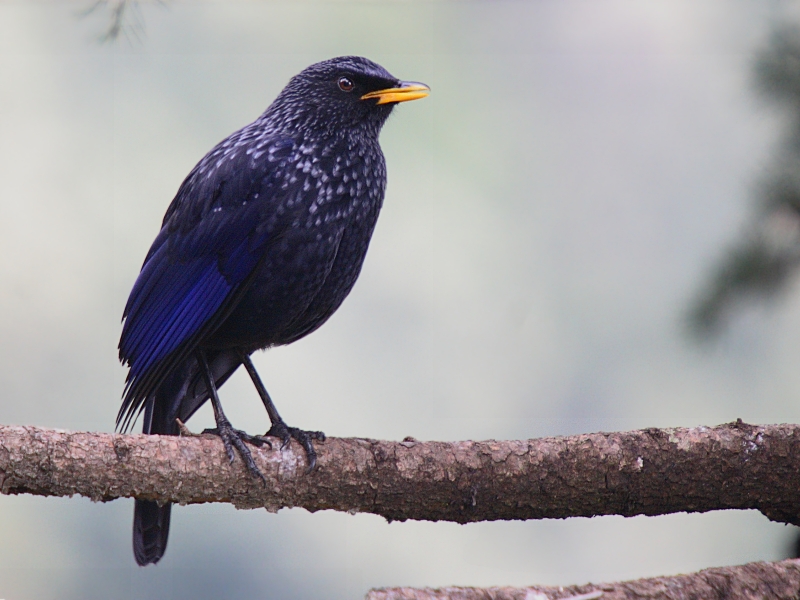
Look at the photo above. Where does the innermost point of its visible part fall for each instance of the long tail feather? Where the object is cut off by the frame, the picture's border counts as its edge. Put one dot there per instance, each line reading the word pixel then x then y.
pixel 150 531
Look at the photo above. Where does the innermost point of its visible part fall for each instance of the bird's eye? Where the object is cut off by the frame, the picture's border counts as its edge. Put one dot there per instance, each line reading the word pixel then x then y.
pixel 346 84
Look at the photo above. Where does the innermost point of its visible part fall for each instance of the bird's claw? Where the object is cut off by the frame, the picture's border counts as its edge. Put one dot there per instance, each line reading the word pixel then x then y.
pixel 256 440
pixel 306 439
pixel 236 438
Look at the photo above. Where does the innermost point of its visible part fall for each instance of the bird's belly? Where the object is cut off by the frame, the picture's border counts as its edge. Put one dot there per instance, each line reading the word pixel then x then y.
pixel 297 287
pixel 337 285
pixel 285 283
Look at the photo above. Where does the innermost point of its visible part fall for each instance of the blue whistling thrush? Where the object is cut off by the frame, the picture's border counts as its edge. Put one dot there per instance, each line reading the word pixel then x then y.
pixel 262 243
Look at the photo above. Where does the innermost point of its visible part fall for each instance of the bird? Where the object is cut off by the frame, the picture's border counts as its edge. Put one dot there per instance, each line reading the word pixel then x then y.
pixel 261 244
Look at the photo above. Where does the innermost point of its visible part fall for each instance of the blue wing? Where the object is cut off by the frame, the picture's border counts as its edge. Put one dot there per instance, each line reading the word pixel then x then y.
pixel 212 239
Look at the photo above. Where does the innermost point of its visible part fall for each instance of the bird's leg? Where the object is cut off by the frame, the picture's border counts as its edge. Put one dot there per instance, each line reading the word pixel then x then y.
pixel 230 437
pixel 279 428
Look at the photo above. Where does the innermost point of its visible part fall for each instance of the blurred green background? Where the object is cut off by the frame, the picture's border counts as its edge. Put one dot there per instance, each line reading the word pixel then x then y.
pixel 553 208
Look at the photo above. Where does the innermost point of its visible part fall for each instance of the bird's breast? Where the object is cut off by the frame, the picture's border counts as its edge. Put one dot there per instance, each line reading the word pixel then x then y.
pixel 332 200
pixel 338 182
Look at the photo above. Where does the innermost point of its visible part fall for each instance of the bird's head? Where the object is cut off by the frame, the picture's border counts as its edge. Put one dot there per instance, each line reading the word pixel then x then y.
pixel 340 94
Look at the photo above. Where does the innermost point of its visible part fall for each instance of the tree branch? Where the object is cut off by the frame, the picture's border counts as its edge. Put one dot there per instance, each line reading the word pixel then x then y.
pixel 776 581
pixel 650 472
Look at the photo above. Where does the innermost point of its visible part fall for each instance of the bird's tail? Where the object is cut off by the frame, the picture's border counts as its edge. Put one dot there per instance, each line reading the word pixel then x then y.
pixel 179 396
pixel 151 521
pixel 150 531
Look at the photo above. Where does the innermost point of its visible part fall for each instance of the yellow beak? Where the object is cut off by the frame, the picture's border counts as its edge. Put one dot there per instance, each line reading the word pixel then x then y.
pixel 407 90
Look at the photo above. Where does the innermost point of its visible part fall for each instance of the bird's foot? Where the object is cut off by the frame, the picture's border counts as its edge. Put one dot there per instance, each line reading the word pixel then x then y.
pixel 235 438
pixel 306 438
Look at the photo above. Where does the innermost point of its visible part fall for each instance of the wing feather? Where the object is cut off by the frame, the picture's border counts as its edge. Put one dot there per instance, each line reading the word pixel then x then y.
pixel 198 267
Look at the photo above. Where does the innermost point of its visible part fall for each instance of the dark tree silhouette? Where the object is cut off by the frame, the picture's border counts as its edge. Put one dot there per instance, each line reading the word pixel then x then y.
pixel 763 261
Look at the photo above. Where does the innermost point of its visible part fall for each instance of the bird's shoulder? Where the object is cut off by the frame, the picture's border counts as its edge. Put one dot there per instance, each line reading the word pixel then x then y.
pixel 228 193
pixel 248 165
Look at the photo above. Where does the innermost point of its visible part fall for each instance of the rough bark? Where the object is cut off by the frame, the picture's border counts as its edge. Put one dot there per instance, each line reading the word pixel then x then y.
pixel 650 472
pixel 754 581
